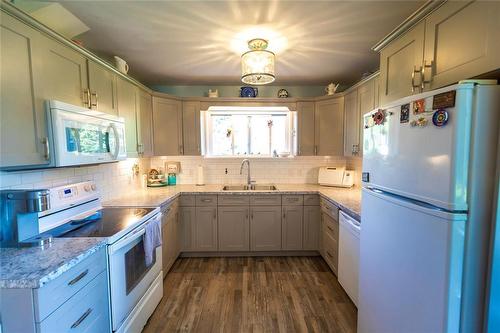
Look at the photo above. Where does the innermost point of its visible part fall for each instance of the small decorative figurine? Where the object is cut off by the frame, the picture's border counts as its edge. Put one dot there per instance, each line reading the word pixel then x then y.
pixel 331 88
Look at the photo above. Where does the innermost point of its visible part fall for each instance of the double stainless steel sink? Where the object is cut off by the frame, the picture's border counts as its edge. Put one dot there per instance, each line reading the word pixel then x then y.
pixel 253 187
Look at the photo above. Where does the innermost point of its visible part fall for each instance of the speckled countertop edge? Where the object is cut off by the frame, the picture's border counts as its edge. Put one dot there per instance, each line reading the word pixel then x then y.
pixel 348 200
pixel 34 267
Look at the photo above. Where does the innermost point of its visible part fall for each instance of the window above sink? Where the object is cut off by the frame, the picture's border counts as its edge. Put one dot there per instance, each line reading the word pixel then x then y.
pixel 248 131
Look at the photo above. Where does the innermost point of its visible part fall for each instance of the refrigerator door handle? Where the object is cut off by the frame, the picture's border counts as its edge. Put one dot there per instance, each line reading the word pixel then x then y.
pixel 413 201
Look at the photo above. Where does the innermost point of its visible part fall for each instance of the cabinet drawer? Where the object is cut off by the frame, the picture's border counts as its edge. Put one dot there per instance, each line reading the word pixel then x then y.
pixel 265 200
pixel 331 227
pixel 293 200
pixel 233 200
pixel 330 252
pixel 56 292
pixel 311 200
pixel 186 200
pixel 206 200
pixel 330 209
pixel 87 311
pixel 170 208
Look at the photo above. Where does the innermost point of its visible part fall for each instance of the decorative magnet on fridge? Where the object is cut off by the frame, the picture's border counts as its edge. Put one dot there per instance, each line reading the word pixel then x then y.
pixel 440 117
pixel 379 117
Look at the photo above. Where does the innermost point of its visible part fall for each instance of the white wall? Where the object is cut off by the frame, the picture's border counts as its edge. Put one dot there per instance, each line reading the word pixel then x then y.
pixel 264 170
pixel 111 178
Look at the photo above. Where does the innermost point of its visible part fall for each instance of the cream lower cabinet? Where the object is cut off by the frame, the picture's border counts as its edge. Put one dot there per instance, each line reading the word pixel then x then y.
pixel 311 232
pixel 205 229
pixel 292 227
pixel 167 127
pixel 305 123
pixel 23 128
pixel 265 228
pixel 234 228
pixel 170 236
pixel 187 217
pixel 329 127
pixel 462 40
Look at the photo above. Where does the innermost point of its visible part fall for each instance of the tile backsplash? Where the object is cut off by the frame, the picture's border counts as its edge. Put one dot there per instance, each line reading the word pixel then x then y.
pixel 111 178
pixel 300 169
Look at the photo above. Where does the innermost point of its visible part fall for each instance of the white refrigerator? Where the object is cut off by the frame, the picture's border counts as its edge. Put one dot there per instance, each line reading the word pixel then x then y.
pixel 428 187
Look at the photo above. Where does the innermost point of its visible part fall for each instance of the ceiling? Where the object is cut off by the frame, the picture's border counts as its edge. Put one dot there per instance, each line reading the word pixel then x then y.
pixel 200 42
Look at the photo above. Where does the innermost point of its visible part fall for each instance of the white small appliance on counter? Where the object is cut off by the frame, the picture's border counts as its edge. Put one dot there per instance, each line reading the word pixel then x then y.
pixel 335 176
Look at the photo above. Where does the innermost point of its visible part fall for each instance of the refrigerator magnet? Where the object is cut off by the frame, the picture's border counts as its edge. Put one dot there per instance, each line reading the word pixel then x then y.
pixel 440 117
pixel 379 117
pixel 419 106
pixel 404 117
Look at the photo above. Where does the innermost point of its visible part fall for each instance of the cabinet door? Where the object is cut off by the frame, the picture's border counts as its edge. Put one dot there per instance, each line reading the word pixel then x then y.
pixel 167 127
pixel 191 127
pixel 23 132
pixel 187 220
pixel 292 227
pixel 462 40
pixel 145 127
pixel 398 60
pixel 265 228
pixel 205 229
pixel 329 127
pixel 233 228
pixel 127 95
pixel 366 103
pixel 312 220
pixel 305 111
pixel 102 84
pixel 351 129
pixel 63 75
pixel 168 242
pixel 376 93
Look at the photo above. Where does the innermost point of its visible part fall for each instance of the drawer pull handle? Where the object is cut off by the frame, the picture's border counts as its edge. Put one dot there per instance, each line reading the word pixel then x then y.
pixel 329 254
pixel 206 200
pixel 78 278
pixel 82 318
pixel 329 228
pixel 293 199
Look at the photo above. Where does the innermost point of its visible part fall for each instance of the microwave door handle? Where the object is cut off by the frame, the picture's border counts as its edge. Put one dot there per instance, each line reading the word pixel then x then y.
pixel 117 140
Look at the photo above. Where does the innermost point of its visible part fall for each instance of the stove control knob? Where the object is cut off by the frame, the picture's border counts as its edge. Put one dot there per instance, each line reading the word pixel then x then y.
pixel 94 188
pixel 87 188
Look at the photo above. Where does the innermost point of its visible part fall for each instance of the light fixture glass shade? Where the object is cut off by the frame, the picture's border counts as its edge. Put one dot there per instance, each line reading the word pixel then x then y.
pixel 257 65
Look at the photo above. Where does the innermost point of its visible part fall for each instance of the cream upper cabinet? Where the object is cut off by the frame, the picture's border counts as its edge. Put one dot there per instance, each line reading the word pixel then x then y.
pixel 400 65
pixel 191 127
pixel 127 96
pixel 23 133
pixel 102 83
pixel 305 115
pixel 329 127
pixel 351 129
pixel 167 127
pixel 367 94
pixel 145 127
pixel 462 40
pixel 63 74
pixel 376 92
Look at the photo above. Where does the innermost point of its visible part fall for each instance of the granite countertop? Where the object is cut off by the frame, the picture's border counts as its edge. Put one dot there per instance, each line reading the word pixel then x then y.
pixel 348 200
pixel 33 267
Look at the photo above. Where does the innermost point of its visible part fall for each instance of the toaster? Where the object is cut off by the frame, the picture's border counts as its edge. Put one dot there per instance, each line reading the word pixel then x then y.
pixel 335 176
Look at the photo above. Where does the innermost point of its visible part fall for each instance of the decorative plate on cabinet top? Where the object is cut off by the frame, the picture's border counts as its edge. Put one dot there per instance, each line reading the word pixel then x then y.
pixel 248 92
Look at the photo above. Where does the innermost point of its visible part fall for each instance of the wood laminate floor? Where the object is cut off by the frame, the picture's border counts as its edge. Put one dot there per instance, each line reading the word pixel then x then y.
pixel 259 294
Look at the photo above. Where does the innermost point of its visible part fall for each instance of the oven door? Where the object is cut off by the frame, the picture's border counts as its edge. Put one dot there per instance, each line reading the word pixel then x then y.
pixel 130 278
pixel 86 137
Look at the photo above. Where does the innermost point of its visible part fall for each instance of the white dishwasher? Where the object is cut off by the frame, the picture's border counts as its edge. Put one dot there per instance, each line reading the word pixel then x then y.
pixel 349 255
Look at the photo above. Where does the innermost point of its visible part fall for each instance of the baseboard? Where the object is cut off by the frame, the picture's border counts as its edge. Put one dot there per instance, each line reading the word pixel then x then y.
pixel 250 254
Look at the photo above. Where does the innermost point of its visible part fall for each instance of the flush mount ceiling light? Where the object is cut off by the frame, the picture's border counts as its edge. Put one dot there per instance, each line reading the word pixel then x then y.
pixel 257 65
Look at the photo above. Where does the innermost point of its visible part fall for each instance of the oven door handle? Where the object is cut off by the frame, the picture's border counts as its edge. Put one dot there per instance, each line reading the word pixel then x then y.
pixel 127 240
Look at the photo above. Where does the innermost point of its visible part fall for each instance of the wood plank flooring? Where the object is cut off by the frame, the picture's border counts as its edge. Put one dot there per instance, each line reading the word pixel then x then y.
pixel 259 294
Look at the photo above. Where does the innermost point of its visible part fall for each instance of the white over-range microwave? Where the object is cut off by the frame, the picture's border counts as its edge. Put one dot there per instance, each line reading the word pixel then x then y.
pixel 81 136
